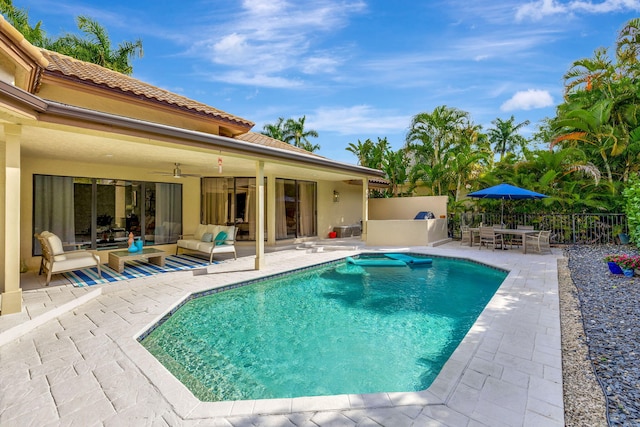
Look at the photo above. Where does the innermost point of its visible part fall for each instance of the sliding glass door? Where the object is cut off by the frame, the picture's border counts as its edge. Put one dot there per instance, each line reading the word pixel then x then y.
pixel 100 213
pixel 295 209
pixel 232 201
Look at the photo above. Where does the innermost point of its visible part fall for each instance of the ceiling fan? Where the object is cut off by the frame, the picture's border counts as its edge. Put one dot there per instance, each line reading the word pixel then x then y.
pixel 177 172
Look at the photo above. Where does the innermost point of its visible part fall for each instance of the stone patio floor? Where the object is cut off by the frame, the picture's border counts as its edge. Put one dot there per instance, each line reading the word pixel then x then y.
pixel 71 357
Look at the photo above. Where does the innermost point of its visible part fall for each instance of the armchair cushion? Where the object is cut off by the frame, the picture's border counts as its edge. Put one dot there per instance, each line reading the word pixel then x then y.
pixel 55 260
pixel 55 243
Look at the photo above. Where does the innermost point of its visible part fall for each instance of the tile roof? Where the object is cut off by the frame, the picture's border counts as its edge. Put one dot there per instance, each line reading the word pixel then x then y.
pixel 88 72
pixel 260 139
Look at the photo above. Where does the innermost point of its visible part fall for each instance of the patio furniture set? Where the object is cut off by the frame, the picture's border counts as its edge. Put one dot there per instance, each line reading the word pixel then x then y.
pixel 56 260
pixel 498 236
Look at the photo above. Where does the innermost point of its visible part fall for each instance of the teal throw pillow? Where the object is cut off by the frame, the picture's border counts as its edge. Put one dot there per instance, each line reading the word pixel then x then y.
pixel 207 237
pixel 220 238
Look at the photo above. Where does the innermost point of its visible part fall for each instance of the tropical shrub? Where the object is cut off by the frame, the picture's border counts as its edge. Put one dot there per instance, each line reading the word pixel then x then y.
pixel 631 195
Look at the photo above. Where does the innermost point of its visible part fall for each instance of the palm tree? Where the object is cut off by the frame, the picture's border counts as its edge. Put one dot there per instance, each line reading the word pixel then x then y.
pixel 395 165
pixel 591 127
pixel 96 47
pixel 19 19
pixel 433 140
pixel 504 136
pixel 369 154
pixel 275 130
pixel 295 133
pixel 628 43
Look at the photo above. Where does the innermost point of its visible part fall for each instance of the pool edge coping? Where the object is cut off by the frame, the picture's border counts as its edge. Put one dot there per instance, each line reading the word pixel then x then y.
pixel 190 408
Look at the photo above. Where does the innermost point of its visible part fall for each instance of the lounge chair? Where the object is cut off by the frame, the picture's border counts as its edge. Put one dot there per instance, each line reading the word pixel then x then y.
pixel 55 260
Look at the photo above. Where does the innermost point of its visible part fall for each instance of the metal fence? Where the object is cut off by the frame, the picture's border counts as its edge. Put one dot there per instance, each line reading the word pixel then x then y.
pixel 581 229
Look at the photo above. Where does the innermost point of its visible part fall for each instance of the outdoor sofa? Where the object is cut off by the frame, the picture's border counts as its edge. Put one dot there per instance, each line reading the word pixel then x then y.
pixel 210 239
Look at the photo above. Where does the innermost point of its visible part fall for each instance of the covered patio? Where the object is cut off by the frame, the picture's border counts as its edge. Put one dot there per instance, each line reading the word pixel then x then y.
pixel 64 120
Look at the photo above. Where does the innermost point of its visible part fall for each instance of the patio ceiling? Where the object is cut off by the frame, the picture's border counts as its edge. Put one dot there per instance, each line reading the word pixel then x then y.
pixel 153 155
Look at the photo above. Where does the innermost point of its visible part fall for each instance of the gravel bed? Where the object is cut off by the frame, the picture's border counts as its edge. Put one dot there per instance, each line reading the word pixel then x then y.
pixel 610 311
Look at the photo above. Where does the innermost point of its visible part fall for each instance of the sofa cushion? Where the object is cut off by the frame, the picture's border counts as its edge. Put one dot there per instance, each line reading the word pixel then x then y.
pixel 190 244
pixel 207 237
pixel 213 229
pixel 200 230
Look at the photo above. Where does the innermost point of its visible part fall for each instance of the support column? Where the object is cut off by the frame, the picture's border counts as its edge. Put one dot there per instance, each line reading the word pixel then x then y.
pixel 259 215
pixel 365 208
pixel 271 208
pixel 10 220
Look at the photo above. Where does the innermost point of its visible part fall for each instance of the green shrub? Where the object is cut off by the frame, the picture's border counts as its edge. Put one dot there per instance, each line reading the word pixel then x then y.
pixel 631 195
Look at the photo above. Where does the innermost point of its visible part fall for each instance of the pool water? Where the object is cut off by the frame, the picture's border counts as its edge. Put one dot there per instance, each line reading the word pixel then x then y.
pixel 335 329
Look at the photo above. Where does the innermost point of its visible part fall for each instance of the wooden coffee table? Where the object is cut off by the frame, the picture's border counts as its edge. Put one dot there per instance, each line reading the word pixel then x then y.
pixel 152 255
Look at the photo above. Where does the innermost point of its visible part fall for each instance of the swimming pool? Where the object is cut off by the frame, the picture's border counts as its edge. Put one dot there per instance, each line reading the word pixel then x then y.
pixel 333 329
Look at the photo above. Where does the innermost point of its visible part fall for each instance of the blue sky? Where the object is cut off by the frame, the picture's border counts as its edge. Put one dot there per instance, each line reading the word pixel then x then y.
pixel 356 69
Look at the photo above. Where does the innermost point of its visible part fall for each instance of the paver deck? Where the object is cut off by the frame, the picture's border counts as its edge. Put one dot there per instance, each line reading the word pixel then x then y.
pixel 81 365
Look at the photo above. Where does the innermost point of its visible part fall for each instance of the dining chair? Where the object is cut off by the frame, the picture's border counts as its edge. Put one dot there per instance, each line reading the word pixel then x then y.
pixel 539 242
pixel 517 240
pixel 489 237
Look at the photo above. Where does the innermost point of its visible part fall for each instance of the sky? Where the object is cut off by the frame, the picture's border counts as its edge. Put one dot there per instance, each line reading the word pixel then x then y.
pixel 356 69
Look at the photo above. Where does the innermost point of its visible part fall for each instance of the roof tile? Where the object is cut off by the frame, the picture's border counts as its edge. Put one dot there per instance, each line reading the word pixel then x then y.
pixel 73 68
pixel 261 139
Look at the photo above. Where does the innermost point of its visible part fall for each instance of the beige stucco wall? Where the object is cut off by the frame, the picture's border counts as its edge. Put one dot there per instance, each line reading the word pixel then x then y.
pixel 406 207
pixel 406 232
pixel 391 221
pixel 347 211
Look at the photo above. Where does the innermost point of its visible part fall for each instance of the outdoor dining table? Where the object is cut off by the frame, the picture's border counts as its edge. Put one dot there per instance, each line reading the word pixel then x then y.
pixel 516 232
pixel 511 231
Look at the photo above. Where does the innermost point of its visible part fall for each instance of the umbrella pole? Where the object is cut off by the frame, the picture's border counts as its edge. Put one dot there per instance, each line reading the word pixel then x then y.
pixel 502 214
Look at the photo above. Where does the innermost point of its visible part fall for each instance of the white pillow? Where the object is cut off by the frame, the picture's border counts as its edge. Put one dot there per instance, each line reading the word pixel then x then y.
pixel 56 244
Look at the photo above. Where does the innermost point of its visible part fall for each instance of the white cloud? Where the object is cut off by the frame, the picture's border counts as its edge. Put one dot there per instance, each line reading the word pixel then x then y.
pixel 528 100
pixel 319 64
pixel 257 79
pixel 271 37
pixel 357 120
pixel 537 10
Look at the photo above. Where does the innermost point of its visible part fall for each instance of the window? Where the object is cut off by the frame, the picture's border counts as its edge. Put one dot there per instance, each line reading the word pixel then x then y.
pixel 99 213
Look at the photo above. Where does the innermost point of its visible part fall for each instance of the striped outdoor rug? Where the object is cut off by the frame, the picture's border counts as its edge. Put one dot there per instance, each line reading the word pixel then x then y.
pixel 134 269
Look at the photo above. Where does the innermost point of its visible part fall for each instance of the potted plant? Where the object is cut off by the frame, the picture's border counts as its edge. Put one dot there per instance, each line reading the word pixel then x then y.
pixel 622 237
pixel 628 264
pixel 611 261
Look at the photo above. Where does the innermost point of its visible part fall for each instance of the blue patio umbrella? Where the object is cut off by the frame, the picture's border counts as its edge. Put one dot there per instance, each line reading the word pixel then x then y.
pixel 506 191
